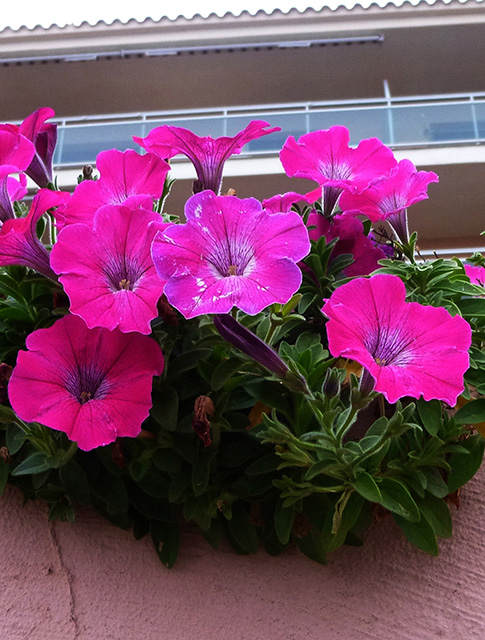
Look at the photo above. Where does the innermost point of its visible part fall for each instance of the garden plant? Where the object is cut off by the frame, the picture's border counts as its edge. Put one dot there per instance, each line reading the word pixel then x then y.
pixel 277 373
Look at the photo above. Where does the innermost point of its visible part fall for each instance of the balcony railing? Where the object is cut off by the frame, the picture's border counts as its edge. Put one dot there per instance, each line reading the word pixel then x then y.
pixel 416 121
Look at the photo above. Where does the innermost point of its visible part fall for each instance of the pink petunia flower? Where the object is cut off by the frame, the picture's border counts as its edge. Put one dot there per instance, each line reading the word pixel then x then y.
pixel 19 243
pixel 93 384
pixel 389 198
pixel 107 269
pixel 283 202
pixel 16 151
pixel 476 274
pixel 207 154
pixel 351 239
pixel 408 349
pixel 230 253
pixel 44 138
pixel 126 178
pixel 11 190
pixel 325 156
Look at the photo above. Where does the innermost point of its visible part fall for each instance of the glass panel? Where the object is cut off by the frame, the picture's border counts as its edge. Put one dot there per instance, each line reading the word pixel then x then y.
pixel 361 123
pixel 433 123
pixel 81 144
pixel 480 116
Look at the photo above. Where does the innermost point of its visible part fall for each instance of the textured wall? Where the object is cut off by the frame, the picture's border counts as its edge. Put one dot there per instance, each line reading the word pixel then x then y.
pixel 94 582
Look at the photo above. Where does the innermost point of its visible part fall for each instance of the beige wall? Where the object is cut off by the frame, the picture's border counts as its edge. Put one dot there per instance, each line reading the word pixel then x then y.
pixel 91 581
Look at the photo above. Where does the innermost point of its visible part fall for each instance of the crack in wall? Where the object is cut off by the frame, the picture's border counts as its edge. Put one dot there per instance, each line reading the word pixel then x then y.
pixel 69 578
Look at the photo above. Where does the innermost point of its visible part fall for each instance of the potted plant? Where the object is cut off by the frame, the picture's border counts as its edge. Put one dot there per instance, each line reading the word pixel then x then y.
pixel 273 372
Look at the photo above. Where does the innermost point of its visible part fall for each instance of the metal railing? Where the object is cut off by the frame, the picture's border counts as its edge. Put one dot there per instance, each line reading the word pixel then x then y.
pixel 412 121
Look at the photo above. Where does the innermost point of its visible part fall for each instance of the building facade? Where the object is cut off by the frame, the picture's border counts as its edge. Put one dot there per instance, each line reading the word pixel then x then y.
pixel 411 75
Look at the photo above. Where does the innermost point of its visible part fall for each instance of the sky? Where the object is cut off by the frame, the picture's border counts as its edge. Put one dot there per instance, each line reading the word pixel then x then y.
pixel 62 12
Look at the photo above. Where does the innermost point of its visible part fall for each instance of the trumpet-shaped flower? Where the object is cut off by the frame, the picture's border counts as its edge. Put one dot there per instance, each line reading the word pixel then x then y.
pixel 283 202
pixel 43 136
pixel 16 151
pixel 126 178
pixel 325 156
pixel 207 154
pixel 408 349
pixel 403 187
pixel 93 384
pixel 19 243
pixel 230 253
pixel 107 269
pixel 351 239
pixel 11 189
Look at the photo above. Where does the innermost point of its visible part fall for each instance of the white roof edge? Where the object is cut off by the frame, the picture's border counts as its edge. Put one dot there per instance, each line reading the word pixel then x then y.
pixel 332 6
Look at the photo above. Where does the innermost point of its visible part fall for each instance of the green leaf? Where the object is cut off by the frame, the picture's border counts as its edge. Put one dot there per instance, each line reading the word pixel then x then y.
pixel 201 472
pixel 438 515
pixel 241 530
pixel 435 483
pixel 75 481
pixel 15 438
pixel 166 540
pixel 165 407
pixel 430 414
pixel 313 546
pixel 283 520
pixel 154 484
pixel 166 460
pixel 471 413
pixel 4 470
pixel 34 463
pixel 367 487
pixel 178 485
pixel 397 499
pixel 472 307
pixel 420 534
pixel 213 535
pixel 188 360
pixel 465 465
pixel 265 464
pixel 111 490
pixel 348 518
pixel 224 371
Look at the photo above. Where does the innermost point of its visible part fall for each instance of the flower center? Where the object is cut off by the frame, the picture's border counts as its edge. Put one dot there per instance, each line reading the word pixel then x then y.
pixel 124 284
pixel 84 396
pixel 389 347
pixel 87 383
pixel 122 274
pixel 236 258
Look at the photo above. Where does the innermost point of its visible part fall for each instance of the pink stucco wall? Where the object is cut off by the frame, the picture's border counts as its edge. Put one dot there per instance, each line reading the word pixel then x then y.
pixel 94 582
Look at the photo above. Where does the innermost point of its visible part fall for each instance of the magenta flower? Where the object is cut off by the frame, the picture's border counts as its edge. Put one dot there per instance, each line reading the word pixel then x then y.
pixel 19 243
pixel 16 152
pixel 44 138
pixel 283 202
pixel 93 384
pixel 230 253
pixel 107 269
pixel 388 199
pixel 351 239
pixel 325 156
pixel 11 190
pixel 403 187
pixel 476 274
pixel 408 349
pixel 126 178
pixel 207 154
